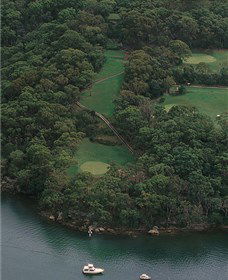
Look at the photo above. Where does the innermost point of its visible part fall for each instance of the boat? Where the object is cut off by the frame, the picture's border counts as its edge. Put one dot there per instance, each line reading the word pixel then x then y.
pixel 144 277
pixel 91 270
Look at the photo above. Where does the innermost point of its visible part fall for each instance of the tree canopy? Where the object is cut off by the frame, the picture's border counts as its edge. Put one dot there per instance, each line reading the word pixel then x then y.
pixel 51 52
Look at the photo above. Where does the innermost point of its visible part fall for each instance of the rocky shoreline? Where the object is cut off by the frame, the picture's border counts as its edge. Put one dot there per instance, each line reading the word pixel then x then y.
pixel 154 231
pixel 84 226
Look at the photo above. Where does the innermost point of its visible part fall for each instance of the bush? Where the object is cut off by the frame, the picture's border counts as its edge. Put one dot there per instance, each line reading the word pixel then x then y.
pixel 182 90
pixel 161 99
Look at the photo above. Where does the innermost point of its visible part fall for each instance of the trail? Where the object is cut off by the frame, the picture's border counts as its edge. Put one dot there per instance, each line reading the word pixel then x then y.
pixel 107 78
pixel 100 116
pixel 205 86
pixel 101 80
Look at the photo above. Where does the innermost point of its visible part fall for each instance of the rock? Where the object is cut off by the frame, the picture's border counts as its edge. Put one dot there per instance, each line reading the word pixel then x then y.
pixel 101 229
pixel 111 230
pixel 131 233
pixel 51 217
pixel 60 216
pixel 154 231
pixel 97 230
pixel 162 228
pixel 90 228
pixel 199 227
pixel 224 228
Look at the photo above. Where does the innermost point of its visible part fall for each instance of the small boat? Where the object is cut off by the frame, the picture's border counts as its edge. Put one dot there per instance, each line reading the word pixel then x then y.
pixel 90 269
pixel 144 277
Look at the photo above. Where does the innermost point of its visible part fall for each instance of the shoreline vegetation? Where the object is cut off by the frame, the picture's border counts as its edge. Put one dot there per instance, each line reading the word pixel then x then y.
pixel 99 230
pixel 54 50
pixel 153 231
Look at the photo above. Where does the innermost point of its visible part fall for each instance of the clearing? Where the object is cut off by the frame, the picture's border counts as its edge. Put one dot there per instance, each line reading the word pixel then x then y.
pixel 96 158
pixel 209 101
pixel 107 84
pixel 216 59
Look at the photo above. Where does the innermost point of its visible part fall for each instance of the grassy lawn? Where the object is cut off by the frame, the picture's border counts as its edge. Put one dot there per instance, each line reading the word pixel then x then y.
pixel 99 98
pixel 95 167
pixel 216 59
pixel 95 157
pixel 209 101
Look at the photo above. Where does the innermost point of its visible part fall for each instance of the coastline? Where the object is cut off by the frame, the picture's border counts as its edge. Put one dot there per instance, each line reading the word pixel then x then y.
pixel 83 226
pixel 171 230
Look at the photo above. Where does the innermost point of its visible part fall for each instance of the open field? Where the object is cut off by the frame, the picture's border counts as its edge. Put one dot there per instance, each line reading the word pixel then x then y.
pixel 95 157
pixel 99 98
pixel 209 101
pixel 215 59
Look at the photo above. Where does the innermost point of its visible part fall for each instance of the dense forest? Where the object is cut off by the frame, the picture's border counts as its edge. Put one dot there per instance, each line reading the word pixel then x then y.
pixel 51 51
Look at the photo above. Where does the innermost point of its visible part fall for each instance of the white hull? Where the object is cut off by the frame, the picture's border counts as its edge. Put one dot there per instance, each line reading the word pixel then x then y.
pixel 93 272
pixel 144 277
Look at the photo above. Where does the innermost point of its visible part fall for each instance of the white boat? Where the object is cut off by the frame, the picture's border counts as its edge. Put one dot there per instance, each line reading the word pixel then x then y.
pixel 144 277
pixel 90 269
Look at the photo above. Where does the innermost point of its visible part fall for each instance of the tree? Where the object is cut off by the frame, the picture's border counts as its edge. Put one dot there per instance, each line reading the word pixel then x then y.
pixel 180 48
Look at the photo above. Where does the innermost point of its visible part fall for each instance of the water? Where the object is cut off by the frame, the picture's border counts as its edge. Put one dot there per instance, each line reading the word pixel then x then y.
pixel 33 248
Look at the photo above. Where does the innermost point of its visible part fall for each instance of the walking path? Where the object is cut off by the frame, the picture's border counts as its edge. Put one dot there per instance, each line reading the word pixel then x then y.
pixel 100 116
pixel 100 96
pixel 101 80
pixel 104 79
pixel 205 86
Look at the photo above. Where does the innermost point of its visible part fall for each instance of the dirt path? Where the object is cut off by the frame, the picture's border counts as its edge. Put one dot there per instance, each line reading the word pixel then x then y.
pixel 101 80
pixel 100 116
pixel 205 86
pixel 107 78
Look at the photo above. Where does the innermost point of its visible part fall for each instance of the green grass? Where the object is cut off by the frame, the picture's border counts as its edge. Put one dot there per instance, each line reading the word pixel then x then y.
pixel 95 167
pixel 222 59
pixel 209 101
pixel 216 59
pixel 196 58
pixel 114 53
pixel 95 157
pixel 100 97
pixel 95 152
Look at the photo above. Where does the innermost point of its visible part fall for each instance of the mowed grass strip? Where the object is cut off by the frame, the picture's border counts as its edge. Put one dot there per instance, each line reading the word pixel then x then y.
pixel 114 64
pixel 209 101
pixel 101 95
pixel 95 152
pixel 100 98
pixel 95 167
pixel 216 59
pixel 196 58
pixel 95 157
